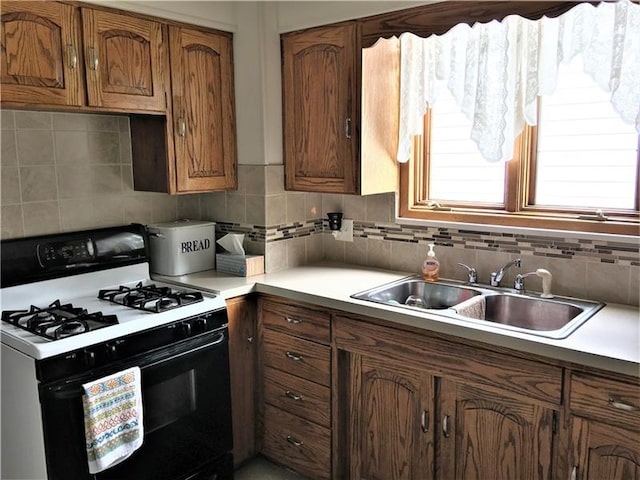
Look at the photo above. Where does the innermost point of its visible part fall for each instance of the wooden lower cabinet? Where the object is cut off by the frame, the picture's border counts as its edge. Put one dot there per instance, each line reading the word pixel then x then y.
pixel 605 428
pixel 296 380
pixel 242 365
pixel 389 426
pixel 409 410
pixel 602 451
pixel 486 434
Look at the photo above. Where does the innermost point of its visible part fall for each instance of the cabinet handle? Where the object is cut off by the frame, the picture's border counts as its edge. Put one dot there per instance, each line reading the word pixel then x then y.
pixel 445 426
pixel 574 473
pixel 73 56
pixel 424 421
pixel 182 127
pixel 94 58
pixel 293 441
pixel 294 321
pixel 294 356
pixel 347 127
pixel 292 395
pixel 622 405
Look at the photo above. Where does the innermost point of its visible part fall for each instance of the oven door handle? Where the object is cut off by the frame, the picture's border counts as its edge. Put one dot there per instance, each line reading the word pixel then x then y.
pixel 74 389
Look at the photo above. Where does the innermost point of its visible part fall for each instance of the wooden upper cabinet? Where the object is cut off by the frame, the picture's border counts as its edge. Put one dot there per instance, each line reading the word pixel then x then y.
pixel 40 54
pixel 320 101
pixel 203 110
pixel 126 61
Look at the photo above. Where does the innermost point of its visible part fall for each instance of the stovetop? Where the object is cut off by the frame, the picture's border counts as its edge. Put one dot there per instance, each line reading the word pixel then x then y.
pixel 82 292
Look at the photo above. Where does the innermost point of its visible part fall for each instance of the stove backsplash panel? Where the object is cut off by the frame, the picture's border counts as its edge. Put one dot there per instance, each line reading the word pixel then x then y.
pixel 71 171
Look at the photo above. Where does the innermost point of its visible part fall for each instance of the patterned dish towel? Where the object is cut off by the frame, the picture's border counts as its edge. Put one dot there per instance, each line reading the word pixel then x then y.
pixel 112 418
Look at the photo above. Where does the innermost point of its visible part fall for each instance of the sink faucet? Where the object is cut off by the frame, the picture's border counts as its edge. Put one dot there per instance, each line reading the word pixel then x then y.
pixel 496 277
pixel 546 282
pixel 472 272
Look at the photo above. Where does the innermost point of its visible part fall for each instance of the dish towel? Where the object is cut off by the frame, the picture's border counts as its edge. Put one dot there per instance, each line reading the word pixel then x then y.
pixel 112 418
pixel 472 308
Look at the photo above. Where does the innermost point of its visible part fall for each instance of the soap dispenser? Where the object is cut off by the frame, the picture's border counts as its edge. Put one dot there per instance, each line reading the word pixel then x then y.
pixel 431 266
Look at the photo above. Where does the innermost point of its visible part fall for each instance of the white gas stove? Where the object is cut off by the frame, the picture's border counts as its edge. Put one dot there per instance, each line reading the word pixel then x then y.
pixel 34 302
pixel 79 307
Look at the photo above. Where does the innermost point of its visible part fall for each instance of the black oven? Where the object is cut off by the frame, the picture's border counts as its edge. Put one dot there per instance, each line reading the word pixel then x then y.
pixel 185 398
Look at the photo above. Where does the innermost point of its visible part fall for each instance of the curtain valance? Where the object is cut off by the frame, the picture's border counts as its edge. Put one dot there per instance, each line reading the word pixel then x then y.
pixel 496 70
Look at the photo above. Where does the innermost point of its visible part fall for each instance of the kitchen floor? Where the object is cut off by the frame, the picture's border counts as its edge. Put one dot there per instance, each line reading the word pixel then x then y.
pixel 260 468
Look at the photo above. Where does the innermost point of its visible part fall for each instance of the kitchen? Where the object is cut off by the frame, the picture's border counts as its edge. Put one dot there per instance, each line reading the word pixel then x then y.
pixel 280 224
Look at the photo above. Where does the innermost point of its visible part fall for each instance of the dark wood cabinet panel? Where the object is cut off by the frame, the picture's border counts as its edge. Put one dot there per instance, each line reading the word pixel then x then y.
pixel 319 97
pixel 40 54
pixel 490 435
pixel 203 110
pixel 390 421
pixel 601 451
pixel 125 61
pixel 242 313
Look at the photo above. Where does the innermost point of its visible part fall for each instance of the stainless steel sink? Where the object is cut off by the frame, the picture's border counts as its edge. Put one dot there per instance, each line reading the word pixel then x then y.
pixel 417 293
pixel 527 313
pixel 552 318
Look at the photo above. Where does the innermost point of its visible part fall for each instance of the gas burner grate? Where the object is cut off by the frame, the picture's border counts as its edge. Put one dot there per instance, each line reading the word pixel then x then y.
pixel 58 321
pixel 150 298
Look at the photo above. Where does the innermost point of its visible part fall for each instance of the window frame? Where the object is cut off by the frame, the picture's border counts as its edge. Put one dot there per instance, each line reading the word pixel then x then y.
pixel 519 211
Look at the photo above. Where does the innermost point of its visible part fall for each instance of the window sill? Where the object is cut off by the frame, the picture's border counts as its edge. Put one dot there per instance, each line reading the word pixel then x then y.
pixel 546 232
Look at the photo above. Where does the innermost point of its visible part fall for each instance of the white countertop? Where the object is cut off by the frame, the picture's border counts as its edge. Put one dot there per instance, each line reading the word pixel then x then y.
pixel 609 340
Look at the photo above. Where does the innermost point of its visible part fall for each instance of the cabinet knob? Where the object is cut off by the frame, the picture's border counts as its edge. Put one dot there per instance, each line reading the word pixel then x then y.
pixel 93 59
pixel 424 421
pixel 445 426
pixel 293 441
pixel 72 55
pixel 617 404
pixel 574 473
pixel 250 339
pixel 292 395
pixel 293 356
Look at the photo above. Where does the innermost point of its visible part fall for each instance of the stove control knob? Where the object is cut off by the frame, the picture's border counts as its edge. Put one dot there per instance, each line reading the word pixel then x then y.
pixel 201 324
pixel 112 350
pixel 185 329
pixel 90 358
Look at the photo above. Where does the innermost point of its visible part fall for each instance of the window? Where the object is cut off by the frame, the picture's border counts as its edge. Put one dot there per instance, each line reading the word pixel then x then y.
pixel 580 159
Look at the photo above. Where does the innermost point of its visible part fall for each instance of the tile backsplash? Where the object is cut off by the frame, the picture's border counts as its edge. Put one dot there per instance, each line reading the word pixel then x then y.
pixel 70 171
pixel 64 172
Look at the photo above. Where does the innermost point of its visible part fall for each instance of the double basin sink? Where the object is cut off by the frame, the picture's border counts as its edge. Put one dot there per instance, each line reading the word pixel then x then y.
pixel 555 318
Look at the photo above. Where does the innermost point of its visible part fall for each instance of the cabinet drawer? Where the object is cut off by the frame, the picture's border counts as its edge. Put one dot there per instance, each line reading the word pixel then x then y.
pixel 298 357
pixel 606 400
pixel 297 443
pixel 298 396
pixel 299 321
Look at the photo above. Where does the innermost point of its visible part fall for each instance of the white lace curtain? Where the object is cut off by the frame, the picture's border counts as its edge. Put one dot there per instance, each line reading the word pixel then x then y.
pixel 496 70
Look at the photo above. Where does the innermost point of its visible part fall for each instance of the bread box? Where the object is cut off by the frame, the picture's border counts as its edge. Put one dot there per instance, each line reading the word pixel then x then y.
pixel 181 247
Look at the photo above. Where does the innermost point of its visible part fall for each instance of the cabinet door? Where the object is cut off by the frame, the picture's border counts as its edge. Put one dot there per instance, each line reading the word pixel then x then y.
pixel 242 365
pixel 319 96
pixel 602 451
pixel 489 435
pixel 126 61
pixel 203 110
pixel 39 54
pixel 390 423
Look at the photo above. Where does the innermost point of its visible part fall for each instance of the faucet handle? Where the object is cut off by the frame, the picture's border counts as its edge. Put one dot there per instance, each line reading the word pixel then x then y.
pixel 473 273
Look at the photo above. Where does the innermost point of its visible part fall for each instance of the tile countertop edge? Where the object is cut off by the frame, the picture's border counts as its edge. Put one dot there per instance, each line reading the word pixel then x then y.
pixel 610 340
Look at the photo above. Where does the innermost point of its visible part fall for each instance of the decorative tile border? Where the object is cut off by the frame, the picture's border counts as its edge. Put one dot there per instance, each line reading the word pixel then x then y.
pixel 536 245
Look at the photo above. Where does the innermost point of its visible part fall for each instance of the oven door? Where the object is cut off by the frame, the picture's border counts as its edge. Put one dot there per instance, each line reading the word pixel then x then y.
pixel 186 410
